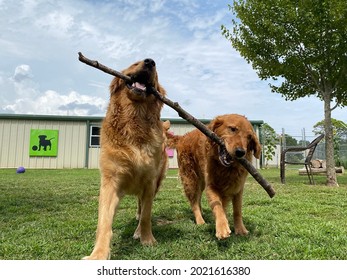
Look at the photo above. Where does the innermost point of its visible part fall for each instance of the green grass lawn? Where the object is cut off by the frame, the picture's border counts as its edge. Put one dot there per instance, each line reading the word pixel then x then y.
pixel 52 214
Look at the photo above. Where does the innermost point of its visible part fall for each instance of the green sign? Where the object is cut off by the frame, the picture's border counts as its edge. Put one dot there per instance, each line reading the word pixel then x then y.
pixel 43 143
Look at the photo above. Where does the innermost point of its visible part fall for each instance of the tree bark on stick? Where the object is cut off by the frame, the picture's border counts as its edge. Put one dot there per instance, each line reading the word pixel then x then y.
pixel 188 117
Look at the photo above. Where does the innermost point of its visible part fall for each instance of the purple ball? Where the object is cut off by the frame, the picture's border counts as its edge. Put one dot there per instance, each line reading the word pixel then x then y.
pixel 20 169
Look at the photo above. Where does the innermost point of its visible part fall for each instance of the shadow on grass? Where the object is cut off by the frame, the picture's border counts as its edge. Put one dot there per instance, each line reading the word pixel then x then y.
pixel 173 229
pixel 125 246
pixel 171 234
pixel 225 244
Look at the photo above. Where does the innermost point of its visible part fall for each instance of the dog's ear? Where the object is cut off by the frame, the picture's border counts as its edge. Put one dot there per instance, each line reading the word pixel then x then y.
pixel 217 122
pixel 115 85
pixel 254 145
pixel 166 125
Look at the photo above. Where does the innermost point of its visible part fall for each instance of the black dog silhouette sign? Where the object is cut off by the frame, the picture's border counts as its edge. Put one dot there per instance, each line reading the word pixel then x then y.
pixel 43 143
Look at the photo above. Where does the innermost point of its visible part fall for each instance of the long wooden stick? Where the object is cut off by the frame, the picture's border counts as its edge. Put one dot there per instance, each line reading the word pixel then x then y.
pixel 185 115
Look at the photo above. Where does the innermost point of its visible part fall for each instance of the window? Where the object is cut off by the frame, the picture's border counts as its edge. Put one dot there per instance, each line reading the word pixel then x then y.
pixel 94 136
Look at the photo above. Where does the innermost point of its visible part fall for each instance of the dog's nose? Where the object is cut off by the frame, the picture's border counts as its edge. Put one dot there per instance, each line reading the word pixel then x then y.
pixel 149 62
pixel 240 152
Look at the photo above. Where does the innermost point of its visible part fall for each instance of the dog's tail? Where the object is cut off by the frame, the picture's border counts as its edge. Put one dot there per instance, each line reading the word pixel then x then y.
pixel 172 140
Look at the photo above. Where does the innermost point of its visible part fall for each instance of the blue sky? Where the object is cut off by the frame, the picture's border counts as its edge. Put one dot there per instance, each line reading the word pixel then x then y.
pixel 40 72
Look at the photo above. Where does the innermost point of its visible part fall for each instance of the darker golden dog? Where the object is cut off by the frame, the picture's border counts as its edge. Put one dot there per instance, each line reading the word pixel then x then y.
pixel 132 156
pixel 203 166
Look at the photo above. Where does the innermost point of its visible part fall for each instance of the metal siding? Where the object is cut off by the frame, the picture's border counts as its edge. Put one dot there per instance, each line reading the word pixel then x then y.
pixel 12 144
pixel 15 140
pixel 178 129
pixel 94 154
pixel 82 145
pixel 26 143
pixel 2 133
pixel 65 146
pixel 5 142
pixel 20 154
pixel 71 144
pixel 78 143
pixel 61 145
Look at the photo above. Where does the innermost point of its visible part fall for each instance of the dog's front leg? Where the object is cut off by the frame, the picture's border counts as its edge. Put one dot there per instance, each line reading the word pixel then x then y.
pixel 218 208
pixel 240 229
pixel 144 228
pixel 108 203
pixel 138 211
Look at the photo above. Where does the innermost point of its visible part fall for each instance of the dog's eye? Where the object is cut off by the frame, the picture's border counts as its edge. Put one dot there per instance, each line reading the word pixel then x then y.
pixel 233 128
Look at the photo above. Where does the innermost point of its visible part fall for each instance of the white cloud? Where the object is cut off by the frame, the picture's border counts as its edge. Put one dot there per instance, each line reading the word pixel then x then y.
pixel 28 99
pixel 156 6
pixel 196 64
pixel 54 103
pixel 56 23
pixel 21 73
pixel 206 21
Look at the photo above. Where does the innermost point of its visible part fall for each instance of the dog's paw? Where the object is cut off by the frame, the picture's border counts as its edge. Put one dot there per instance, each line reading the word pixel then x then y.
pixel 241 231
pixel 199 221
pixel 98 256
pixel 145 239
pixel 136 235
pixel 222 229
pixel 148 240
pixel 223 233
pixel 89 258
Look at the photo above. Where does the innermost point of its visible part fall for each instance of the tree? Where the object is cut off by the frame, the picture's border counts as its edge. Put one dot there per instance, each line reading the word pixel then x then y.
pixel 290 141
pixel 300 46
pixel 303 143
pixel 270 139
pixel 339 129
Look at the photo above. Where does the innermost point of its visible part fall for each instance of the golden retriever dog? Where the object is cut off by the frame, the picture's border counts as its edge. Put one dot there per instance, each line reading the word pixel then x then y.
pixel 164 165
pixel 203 166
pixel 132 156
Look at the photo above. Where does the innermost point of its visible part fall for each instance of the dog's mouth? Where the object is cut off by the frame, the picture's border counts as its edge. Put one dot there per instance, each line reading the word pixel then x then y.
pixel 140 83
pixel 137 87
pixel 224 157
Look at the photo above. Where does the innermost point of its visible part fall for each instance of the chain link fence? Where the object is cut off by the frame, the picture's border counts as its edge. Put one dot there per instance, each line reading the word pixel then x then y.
pixel 302 140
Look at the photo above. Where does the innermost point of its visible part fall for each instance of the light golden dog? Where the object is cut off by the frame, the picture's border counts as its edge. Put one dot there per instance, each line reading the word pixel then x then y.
pixel 203 166
pixel 132 157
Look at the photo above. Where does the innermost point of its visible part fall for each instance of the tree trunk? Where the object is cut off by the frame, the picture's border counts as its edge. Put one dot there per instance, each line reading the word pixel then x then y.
pixel 329 143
